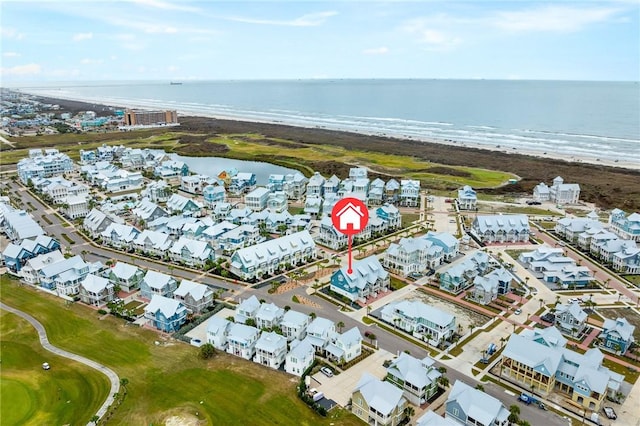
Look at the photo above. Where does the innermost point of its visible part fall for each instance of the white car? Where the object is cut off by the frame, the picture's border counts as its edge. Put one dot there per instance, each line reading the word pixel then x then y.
pixel 326 371
pixel 45 366
pixel 517 311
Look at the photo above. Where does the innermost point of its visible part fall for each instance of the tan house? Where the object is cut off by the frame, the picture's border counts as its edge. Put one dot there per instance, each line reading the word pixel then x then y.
pixel 378 403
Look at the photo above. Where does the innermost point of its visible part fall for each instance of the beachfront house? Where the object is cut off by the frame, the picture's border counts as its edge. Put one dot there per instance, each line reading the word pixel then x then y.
pixel 559 192
pixel 165 314
pixel 508 228
pixel 241 340
pixel 420 320
pixel 470 406
pixel 300 357
pixel 315 186
pixel 467 198
pixel 96 291
pixel 294 325
pixel 157 283
pixel 418 378
pixel 626 226
pixel 270 350
pixel 194 296
pixel 617 335
pixel 570 319
pixel 367 280
pixel 377 402
pixel 217 332
pixel 242 183
pixel 409 192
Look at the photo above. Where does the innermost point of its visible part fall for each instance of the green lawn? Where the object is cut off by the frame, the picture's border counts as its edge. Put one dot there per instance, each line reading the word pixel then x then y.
pixel 169 378
pixel 68 393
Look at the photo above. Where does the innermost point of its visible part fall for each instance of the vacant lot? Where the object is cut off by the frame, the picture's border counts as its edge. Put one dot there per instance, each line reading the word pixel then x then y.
pixel 464 317
pixel 167 379
pixel 68 393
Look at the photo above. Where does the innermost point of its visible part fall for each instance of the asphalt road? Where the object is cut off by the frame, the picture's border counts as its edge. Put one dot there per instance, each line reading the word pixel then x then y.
pixel 44 341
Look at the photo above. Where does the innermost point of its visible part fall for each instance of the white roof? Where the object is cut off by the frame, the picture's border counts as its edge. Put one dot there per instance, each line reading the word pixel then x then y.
pixel 124 270
pixel 301 349
pixel 417 309
pixel 477 404
pixel 505 223
pixel 379 395
pixel 157 279
pixel 432 419
pixel 417 372
pixel 168 307
pixel 242 332
pixel 196 248
pixel 294 319
pixel 274 249
pixel 533 354
pixel 271 342
pixel 574 309
pixel 39 262
pixel 365 272
pixel 269 312
pixel 54 269
pixel 217 325
pixel 95 284
pixel 197 291
pixel 620 325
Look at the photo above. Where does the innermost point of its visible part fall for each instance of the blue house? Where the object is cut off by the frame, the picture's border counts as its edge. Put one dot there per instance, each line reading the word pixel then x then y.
pixel 367 279
pixel 15 256
pixel 214 194
pixel 617 335
pixel 276 182
pixel 242 183
pixel 165 314
pixel 449 243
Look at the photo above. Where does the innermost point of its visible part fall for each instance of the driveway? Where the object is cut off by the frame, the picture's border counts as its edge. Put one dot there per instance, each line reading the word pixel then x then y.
pixel 340 387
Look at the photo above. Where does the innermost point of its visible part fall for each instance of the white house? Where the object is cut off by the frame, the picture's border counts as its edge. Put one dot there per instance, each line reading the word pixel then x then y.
pixel 300 357
pixel 271 349
pixel 421 320
pixel 268 316
pixel 345 346
pixel 247 310
pixel 294 325
pixel 467 198
pixel 96 291
pixel 418 378
pixel 319 333
pixel 217 332
pixel 241 340
pixel 501 228
pixel 256 200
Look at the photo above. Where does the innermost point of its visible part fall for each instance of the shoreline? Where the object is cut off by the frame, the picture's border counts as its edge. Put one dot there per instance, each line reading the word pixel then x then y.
pixel 577 159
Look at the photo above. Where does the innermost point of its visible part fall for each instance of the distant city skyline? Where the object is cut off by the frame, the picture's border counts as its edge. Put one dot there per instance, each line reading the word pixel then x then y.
pixel 181 40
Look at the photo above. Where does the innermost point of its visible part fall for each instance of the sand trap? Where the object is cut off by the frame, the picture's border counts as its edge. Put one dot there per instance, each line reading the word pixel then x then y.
pixel 182 420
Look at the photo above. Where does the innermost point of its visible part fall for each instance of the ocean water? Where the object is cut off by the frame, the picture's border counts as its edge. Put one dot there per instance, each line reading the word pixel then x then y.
pixel 572 119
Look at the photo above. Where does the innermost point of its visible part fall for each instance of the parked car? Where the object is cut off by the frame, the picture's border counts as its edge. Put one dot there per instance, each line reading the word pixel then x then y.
pixel 517 311
pixel 326 371
pixel 45 366
pixel 610 413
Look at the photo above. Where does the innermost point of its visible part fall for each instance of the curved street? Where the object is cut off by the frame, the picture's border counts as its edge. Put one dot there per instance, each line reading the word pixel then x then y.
pixel 44 341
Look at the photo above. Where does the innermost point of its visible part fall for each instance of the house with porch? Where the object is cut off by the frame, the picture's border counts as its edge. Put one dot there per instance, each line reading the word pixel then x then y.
pixel 96 290
pixel 460 276
pixel 412 256
pixel 30 272
pixel 378 402
pixel 268 316
pixel 430 418
pixel 329 235
pixel 157 283
pixel 409 192
pixel 152 242
pixel 627 261
pixel 256 200
pixel 242 183
pixel 270 256
pixel 241 340
pixel 247 309
pixel 96 222
pixel 165 314
pixel 617 335
pixel 391 191
pixel 157 191
pixel 331 185
pixel 171 169
pixel 191 252
pixel 570 319
pixel 467 198
pixel 294 325
pixel 213 194
pixel 194 296
pixel 147 211
pixel 300 357
pixel 270 350
pixel 217 332
pixel 470 406
pixel 179 204
pixel 570 228
pixel 418 378
pixel 295 185
pixel 320 333
pixel 315 186
pixel 15 256
pixel 127 277
pixel 367 280
pixel 375 196
pixel 569 276
pixel 626 226
pixel 65 276
pixel 420 320
pixel 508 228
pixel 239 237
pixel 450 244
pixel 345 347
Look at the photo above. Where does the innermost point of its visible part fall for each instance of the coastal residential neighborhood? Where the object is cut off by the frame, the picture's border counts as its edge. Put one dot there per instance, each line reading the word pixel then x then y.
pixel 452 314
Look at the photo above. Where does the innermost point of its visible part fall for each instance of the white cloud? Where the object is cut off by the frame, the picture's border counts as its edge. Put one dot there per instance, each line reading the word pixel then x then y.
pixel 308 20
pixel 89 61
pixel 376 51
pixel 11 33
pixel 10 54
pixel 172 68
pixel 82 36
pixel 167 6
pixel 552 18
pixel 427 33
pixel 20 70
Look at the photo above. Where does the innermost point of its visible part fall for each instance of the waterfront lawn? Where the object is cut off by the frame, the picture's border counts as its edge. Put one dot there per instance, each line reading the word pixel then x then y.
pixel 168 379
pixel 68 393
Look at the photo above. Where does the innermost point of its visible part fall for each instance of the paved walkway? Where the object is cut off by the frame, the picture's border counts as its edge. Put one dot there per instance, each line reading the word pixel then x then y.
pixel 44 341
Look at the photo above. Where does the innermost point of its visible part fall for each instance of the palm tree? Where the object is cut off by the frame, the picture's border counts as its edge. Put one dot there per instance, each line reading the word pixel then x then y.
pixel 372 337
pixel 313 315
pixel 340 326
pixel 443 381
pixel 409 411
pixel 480 387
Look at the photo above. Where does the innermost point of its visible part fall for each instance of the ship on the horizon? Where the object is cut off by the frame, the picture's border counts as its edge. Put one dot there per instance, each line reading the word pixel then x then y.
pixel 175 83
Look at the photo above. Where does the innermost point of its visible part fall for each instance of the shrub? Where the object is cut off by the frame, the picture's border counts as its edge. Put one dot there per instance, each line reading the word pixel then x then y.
pixel 102 312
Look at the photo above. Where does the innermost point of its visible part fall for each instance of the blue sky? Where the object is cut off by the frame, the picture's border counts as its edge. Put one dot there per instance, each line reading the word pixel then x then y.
pixel 180 40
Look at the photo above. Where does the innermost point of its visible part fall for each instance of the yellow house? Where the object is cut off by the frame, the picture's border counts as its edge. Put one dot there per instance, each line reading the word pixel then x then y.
pixel 378 403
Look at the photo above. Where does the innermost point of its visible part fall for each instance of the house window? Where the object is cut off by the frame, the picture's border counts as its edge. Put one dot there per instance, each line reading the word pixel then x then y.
pixel 455 412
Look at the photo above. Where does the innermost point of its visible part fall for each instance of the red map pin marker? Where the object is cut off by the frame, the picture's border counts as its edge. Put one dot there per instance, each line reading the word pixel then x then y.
pixel 350 216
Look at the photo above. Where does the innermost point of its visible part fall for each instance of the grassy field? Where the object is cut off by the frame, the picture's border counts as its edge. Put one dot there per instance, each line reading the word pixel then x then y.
pixel 68 393
pixel 250 146
pixel 169 378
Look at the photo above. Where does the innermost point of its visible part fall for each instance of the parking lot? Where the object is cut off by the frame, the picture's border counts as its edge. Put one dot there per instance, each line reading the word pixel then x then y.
pixel 340 387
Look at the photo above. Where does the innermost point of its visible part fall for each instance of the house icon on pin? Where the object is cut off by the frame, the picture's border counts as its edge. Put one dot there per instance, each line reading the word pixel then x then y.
pixel 350 217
